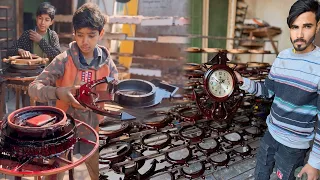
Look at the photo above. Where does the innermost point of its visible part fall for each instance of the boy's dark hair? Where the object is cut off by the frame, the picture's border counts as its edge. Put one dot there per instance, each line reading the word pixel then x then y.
pixel 88 16
pixel 46 8
pixel 302 6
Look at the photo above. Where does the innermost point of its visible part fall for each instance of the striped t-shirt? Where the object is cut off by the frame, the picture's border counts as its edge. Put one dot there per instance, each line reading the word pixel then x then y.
pixel 294 82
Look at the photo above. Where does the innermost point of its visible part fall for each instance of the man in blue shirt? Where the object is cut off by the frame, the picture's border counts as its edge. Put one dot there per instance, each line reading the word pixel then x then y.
pixel 294 83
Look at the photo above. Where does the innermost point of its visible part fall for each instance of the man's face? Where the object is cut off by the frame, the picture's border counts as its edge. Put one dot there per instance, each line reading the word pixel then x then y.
pixel 303 31
pixel 43 22
pixel 87 39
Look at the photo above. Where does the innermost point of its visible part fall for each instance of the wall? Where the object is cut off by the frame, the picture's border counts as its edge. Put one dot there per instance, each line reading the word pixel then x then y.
pixel 11 13
pixel 31 6
pixel 11 24
pixel 196 10
pixel 274 12
pixel 106 6
pixel 217 24
pixel 29 13
pixel 161 8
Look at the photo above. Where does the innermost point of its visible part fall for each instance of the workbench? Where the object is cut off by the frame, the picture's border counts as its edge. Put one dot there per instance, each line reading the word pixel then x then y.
pixel 166 105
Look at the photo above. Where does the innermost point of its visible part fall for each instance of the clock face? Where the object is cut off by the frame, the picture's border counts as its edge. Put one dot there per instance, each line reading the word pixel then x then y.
pixel 220 83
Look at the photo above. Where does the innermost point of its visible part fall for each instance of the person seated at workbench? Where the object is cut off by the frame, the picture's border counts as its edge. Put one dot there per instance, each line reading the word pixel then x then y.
pixel 41 40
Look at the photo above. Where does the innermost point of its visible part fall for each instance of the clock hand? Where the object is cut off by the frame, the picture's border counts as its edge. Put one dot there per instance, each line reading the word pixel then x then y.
pixel 216 79
pixel 224 87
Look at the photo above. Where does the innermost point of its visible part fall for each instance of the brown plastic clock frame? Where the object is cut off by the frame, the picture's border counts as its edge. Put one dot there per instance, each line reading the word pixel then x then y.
pixel 221 65
pixel 219 108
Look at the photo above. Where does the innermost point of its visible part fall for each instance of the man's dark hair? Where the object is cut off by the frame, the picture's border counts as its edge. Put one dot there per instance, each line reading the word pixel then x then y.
pixel 46 8
pixel 302 6
pixel 88 16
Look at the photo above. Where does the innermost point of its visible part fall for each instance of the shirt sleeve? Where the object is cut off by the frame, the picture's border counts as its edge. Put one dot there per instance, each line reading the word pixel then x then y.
pixel 260 89
pixel 22 43
pixel 314 157
pixel 113 69
pixel 42 89
pixel 53 49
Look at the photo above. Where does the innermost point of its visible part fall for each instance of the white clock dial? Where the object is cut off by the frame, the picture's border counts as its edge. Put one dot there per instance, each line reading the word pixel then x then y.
pixel 220 83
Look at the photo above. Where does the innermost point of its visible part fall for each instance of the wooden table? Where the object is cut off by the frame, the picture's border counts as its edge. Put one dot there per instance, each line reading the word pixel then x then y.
pixel 20 86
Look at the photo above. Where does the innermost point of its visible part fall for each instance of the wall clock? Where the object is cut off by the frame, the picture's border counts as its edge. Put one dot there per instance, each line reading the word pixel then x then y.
pixel 221 96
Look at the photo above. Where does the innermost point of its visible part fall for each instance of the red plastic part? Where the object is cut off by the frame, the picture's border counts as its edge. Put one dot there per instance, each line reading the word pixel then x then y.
pixel 40 120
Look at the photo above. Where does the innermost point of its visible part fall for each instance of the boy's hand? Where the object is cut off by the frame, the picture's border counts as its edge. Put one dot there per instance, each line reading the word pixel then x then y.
pixel 238 76
pixel 114 82
pixel 313 173
pixel 67 94
pixel 24 54
pixel 34 36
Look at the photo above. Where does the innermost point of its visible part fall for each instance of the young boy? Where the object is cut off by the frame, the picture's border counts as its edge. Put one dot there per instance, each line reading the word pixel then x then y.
pixel 84 61
pixel 41 40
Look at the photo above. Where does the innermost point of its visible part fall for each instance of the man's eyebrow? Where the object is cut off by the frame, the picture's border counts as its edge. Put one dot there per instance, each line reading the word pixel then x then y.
pixel 308 24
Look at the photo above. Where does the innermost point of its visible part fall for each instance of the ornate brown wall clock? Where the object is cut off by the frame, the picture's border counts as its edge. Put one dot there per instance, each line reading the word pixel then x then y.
pixel 222 96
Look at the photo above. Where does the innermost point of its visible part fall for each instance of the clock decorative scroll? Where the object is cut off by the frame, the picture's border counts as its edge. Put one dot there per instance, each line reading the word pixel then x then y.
pixel 221 96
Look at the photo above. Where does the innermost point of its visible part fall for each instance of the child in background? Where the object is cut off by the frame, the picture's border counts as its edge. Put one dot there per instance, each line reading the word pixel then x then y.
pixel 41 40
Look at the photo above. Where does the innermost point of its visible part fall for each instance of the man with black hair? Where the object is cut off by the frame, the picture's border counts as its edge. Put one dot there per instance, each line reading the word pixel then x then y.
pixel 83 62
pixel 294 83
pixel 41 40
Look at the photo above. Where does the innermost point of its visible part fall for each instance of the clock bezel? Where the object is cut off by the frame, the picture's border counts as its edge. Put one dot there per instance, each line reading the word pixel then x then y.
pixel 207 76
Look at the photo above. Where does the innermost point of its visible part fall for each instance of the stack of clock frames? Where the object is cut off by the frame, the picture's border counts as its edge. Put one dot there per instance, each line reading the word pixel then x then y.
pixel 189 87
pixel 194 73
pixel 158 119
pixel 257 70
pixel 112 129
pixel 261 107
pixel 237 51
pixel 193 70
pixel 248 102
pixel 170 148
pixel 252 70
pixel 193 50
pixel 214 130
pixel 239 67
pixel 255 107
pixel 187 112
pixel 194 161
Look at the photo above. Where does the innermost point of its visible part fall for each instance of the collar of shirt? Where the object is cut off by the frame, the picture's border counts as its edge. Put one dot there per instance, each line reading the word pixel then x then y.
pixel 97 52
